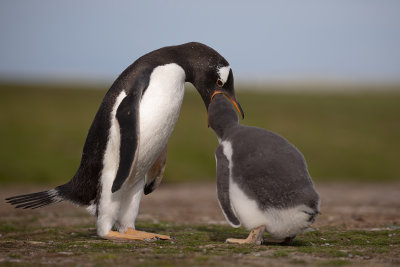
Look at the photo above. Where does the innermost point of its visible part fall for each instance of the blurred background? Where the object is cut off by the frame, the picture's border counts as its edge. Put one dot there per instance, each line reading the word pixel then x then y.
pixel 323 74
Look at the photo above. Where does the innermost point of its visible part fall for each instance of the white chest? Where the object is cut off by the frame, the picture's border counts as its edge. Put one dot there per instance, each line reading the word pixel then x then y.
pixel 158 113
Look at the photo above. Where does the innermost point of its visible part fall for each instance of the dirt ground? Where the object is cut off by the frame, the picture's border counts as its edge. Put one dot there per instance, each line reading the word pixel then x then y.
pixel 346 206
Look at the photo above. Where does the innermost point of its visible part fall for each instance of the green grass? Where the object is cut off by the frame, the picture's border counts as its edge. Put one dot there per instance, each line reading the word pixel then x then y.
pixel 195 245
pixel 344 136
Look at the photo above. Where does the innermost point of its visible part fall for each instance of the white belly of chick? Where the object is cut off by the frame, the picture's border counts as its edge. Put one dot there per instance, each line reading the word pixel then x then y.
pixel 159 110
pixel 280 223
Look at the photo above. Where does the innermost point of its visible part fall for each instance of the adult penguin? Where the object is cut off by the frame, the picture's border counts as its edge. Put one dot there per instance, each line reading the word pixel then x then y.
pixel 126 147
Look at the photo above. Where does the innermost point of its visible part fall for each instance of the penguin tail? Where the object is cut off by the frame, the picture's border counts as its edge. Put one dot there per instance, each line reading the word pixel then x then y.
pixel 36 200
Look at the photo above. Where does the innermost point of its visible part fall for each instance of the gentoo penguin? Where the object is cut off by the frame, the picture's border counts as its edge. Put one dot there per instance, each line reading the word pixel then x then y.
pixel 262 180
pixel 126 147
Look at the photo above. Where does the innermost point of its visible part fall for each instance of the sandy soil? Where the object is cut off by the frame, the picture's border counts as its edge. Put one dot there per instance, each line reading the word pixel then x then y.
pixel 347 206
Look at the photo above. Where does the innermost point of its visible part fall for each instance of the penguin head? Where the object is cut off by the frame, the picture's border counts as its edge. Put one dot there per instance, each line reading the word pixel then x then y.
pixel 209 72
pixel 221 114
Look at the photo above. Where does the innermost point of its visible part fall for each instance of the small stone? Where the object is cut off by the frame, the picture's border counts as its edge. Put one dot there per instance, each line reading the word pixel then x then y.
pixel 66 253
pixel 36 243
pixel 376 229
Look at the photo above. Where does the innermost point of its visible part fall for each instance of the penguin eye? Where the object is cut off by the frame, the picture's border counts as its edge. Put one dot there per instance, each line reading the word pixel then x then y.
pixel 220 83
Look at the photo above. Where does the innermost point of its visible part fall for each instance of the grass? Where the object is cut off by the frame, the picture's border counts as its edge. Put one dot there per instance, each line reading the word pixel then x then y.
pixel 344 136
pixel 194 245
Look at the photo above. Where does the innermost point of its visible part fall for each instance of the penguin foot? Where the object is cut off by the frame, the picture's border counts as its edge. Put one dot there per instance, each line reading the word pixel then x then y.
pixel 132 234
pixel 242 241
pixel 255 237
pixel 145 235
pixel 113 235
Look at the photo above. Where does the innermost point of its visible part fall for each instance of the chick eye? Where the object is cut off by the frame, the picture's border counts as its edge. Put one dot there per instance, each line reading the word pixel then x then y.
pixel 220 83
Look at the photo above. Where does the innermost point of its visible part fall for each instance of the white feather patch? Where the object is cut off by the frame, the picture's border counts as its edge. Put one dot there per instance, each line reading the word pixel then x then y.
pixel 92 208
pixel 54 195
pixel 159 110
pixel 223 212
pixel 108 203
pixel 228 152
pixel 280 223
pixel 223 73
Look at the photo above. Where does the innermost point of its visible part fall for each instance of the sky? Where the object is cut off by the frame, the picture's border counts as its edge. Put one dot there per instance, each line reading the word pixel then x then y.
pixel 264 41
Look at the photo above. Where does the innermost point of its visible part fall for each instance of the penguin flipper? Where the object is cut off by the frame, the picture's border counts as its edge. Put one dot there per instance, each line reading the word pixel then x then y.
pixel 156 172
pixel 223 187
pixel 128 119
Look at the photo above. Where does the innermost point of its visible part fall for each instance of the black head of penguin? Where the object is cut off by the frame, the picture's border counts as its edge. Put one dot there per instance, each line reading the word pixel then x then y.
pixel 203 67
pixel 221 115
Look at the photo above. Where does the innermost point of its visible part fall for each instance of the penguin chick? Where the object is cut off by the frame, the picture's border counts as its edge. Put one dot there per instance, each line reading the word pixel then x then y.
pixel 262 180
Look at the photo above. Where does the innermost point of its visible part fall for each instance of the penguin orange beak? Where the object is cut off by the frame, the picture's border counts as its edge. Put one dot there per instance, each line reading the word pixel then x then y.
pixel 233 100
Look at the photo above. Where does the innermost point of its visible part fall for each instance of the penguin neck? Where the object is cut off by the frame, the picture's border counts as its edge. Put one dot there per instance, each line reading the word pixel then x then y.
pixel 223 130
pixel 223 135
